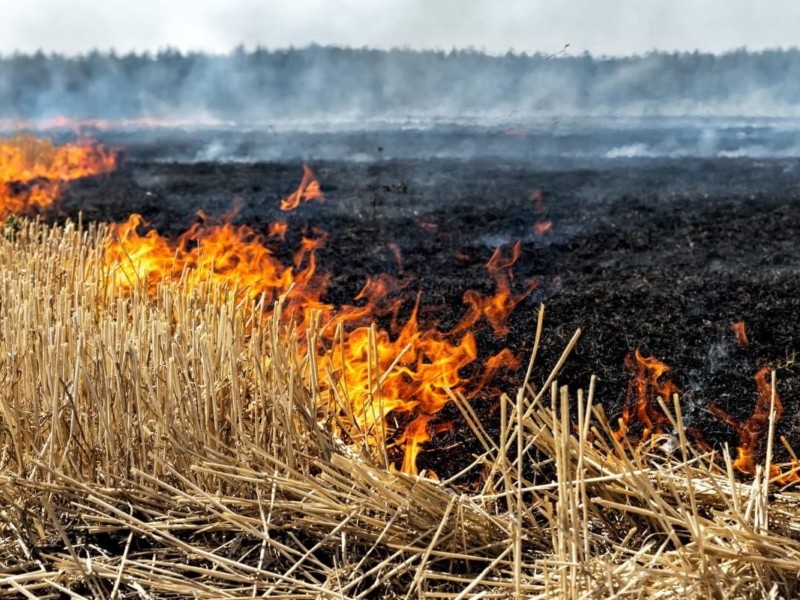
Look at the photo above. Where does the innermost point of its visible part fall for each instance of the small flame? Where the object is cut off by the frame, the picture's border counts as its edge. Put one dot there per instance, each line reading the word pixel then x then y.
pixel 307 190
pixel 414 436
pixel 741 334
pixel 752 430
pixel 516 132
pixel 398 256
pixel 542 227
pixel 641 405
pixel 496 308
pixel 427 225
pixel 537 197
pixel 641 408
pixel 278 230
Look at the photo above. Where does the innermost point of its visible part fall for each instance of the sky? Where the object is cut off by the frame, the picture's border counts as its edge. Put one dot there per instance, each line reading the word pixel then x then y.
pixel 602 27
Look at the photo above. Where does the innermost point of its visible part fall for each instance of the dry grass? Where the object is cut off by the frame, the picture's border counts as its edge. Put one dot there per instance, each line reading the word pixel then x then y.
pixel 183 446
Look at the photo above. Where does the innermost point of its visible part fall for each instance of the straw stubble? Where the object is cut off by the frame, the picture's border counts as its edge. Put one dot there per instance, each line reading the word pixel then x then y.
pixel 182 445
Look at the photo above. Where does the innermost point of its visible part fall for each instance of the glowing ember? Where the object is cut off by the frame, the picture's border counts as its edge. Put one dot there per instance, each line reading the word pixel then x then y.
pixel 407 370
pixel 33 171
pixel 641 405
pixel 542 227
pixel 307 190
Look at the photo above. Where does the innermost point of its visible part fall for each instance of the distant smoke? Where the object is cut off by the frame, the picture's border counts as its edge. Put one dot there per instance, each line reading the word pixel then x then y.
pixel 329 83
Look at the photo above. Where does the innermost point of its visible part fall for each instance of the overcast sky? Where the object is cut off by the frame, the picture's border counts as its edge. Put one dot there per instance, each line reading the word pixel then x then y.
pixel 611 27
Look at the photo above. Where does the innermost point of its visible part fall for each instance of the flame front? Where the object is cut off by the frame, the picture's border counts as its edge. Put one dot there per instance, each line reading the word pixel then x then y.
pixel 408 370
pixel 217 253
pixel 33 171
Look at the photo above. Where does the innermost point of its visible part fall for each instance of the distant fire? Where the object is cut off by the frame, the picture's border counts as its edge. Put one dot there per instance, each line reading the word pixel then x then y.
pixel 33 171
pixel 81 126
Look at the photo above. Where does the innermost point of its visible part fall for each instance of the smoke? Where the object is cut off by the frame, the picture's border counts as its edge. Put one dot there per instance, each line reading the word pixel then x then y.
pixel 331 83
pixel 330 102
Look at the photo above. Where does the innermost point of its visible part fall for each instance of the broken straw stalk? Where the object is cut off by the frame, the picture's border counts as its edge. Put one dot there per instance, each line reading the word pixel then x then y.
pixel 176 445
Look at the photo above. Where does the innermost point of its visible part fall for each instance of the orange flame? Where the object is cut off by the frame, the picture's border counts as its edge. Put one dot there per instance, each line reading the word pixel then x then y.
pixel 209 252
pixel 641 408
pixel 496 308
pixel 278 230
pixel 641 405
pixel 307 190
pixel 408 370
pixel 33 171
pixel 753 428
pixel 542 227
pixel 741 333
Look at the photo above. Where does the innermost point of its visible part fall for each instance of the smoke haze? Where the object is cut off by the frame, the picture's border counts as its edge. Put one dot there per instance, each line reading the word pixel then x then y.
pixel 334 84
pixel 304 66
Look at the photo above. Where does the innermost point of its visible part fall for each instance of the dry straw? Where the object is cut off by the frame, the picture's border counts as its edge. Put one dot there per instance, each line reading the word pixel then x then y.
pixel 183 446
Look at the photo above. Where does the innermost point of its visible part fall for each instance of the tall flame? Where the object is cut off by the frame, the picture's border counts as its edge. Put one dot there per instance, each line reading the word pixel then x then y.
pixel 33 171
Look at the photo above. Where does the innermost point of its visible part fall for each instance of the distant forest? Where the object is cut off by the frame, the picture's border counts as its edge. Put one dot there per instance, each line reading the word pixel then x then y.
pixel 325 82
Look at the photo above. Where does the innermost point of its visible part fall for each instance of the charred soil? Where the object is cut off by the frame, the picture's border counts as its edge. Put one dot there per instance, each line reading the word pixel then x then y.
pixel 660 255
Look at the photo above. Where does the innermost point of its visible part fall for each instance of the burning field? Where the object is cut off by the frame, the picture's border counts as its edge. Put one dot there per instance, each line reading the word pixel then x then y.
pixel 340 380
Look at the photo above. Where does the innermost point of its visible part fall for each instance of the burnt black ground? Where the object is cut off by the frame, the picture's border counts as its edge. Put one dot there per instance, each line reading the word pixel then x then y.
pixel 662 255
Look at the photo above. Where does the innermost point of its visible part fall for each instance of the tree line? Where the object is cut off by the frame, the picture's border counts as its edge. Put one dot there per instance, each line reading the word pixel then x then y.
pixel 318 82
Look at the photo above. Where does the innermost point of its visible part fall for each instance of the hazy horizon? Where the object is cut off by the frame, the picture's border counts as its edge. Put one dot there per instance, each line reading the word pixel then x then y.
pixel 600 27
pixel 562 53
